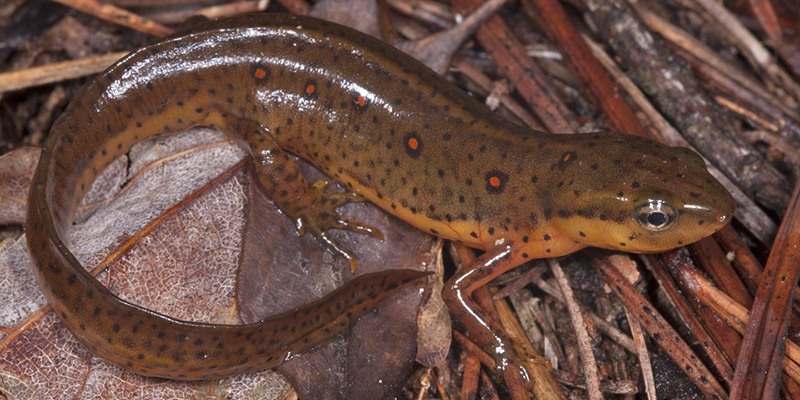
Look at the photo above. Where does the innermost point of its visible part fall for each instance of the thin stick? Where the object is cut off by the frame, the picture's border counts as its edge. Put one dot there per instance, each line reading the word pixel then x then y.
pixel 751 46
pixel 644 356
pixel 705 54
pixel 119 16
pixel 736 315
pixel 486 84
pixel 759 363
pixel 57 72
pixel 584 343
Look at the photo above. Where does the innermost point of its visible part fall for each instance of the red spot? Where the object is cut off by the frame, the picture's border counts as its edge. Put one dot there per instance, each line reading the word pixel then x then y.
pixel 260 73
pixel 494 181
pixel 413 143
pixel 567 156
pixel 361 101
pixel 310 89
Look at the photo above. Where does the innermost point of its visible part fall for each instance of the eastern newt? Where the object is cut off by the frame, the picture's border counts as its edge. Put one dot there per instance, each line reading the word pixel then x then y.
pixel 391 131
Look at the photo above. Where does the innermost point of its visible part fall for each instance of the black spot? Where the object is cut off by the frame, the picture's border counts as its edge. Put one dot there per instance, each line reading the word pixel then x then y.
pixel 495 181
pixel 582 234
pixel 546 237
pixel 261 73
pixel 310 89
pixel 635 184
pixel 116 328
pixel 413 144
pixel 566 159
pixel 360 102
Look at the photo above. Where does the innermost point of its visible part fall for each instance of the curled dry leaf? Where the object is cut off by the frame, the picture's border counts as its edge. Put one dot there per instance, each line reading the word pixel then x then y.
pixel 436 333
pixel 170 240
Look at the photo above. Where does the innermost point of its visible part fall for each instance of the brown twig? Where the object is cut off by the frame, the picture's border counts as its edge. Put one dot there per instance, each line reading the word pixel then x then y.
pixel 217 11
pixel 119 16
pixel 474 349
pixel 789 51
pixel 659 329
pixel 736 315
pixel 711 257
pixel 644 356
pixel 716 338
pixel 758 365
pixel 613 387
pixel 545 386
pixel 472 371
pixel 588 361
pixel 442 391
pixel 610 330
pixel 489 386
pixel 701 53
pixel 584 65
pixel 56 72
pixel 526 278
pixel 749 267
pixel 775 142
pixel 485 83
pixel 751 47
pixel 431 13
pixel 437 50
pixel 521 71
pixel 719 75
pixel 153 3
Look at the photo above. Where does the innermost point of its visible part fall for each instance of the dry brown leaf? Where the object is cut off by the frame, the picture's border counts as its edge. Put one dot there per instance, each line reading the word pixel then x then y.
pixel 361 15
pixel 181 260
pixel 16 170
pixel 435 332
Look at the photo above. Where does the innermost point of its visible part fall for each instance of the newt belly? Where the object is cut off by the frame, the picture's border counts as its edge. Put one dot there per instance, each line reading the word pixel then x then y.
pixel 383 125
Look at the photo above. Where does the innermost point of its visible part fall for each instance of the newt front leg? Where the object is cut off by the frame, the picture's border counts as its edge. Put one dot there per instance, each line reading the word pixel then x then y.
pixel 309 206
pixel 486 332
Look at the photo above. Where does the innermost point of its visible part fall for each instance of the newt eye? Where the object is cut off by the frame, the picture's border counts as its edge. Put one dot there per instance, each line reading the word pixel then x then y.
pixel 655 215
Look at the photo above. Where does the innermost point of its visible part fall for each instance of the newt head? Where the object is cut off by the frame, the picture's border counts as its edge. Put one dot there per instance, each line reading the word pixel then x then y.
pixel 639 195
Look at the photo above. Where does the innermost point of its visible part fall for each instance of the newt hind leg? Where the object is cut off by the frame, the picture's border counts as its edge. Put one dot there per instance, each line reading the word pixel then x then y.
pixel 311 208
